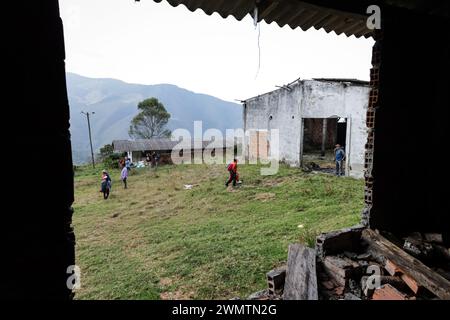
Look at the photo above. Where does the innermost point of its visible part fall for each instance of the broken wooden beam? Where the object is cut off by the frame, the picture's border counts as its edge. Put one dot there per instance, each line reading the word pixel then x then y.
pixel 301 278
pixel 407 264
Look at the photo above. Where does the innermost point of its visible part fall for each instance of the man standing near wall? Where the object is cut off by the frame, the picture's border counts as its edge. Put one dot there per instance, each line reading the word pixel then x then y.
pixel 339 156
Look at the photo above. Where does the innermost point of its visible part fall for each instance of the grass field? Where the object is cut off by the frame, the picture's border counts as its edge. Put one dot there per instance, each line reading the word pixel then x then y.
pixel 157 240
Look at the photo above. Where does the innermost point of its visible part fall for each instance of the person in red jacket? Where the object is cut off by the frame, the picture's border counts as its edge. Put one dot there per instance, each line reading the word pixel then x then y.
pixel 232 169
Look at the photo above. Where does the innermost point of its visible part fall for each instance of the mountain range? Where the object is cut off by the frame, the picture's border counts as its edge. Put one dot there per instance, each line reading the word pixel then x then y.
pixel 114 103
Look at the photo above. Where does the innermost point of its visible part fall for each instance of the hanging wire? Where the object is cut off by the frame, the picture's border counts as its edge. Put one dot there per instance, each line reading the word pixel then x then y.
pixel 258 28
pixel 259 51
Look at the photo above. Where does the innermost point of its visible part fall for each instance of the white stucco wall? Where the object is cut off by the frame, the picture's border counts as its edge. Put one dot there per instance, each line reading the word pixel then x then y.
pixel 312 99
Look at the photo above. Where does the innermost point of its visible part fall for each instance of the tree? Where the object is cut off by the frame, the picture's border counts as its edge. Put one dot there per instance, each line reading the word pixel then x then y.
pixel 151 121
pixel 106 151
pixel 109 158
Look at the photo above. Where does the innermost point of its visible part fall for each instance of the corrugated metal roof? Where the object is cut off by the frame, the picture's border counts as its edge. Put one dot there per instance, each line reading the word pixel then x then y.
pixel 341 16
pixel 159 144
pixel 285 12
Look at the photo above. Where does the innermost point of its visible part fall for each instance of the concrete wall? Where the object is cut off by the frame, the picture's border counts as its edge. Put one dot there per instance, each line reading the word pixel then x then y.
pixel 283 109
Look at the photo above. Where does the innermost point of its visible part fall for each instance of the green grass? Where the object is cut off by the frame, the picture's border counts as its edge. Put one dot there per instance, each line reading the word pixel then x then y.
pixel 157 240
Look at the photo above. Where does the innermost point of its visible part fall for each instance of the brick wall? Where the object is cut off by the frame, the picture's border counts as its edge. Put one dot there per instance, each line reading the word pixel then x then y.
pixel 370 122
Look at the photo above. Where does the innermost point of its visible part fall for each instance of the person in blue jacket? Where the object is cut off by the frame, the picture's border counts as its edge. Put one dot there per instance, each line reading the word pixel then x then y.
pixel 339 156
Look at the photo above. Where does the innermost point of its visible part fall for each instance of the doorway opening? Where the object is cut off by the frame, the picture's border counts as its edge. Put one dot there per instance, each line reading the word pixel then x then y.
pixel 319 139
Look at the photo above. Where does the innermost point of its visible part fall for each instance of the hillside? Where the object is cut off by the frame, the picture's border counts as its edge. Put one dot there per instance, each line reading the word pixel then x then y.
pixel 115 104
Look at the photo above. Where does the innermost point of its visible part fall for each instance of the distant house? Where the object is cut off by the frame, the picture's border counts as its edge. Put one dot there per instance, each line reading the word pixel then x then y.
pixel 310 115
pixel 137 150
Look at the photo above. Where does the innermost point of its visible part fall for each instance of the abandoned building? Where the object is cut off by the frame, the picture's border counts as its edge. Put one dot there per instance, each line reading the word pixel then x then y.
pixel 409 75
pixel 311 115
pixel 137 150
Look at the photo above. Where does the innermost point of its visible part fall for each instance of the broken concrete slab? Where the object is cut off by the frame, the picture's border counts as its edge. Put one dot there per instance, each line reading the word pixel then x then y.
pixel 275 280
pixel 339 241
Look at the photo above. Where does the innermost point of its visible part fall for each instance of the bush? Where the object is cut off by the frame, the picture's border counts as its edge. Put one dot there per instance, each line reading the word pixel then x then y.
pixel 111 161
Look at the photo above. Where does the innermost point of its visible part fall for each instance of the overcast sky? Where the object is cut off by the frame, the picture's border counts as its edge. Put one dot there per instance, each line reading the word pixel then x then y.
pixel 151 43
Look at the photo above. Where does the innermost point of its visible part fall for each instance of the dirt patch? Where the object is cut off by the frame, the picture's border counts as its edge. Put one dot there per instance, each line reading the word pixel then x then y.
pixel 176 295
pixel 165 282
pixel 266 196
pixel 273 182
pixel 231 189
pixel 84 183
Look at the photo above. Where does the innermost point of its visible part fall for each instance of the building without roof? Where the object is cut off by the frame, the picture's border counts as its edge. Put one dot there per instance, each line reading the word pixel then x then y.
pixel 304 112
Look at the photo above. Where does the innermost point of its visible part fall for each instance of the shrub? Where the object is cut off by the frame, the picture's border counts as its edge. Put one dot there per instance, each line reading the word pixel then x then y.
pixel 111 161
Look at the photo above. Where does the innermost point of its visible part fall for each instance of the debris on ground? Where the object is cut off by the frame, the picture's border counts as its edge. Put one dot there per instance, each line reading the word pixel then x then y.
pixel 363 264
pixel 139 164
pixel 259 295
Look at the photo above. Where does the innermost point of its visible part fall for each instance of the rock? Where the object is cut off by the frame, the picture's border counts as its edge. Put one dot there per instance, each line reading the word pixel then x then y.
pixel 259 295
pixel 351 296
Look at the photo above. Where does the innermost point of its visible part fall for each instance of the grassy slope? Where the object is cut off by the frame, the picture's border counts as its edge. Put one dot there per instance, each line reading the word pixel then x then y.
pixel 158 240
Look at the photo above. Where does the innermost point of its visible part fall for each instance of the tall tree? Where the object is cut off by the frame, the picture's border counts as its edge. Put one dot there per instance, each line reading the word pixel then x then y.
pixel 151 120
pixel 106 151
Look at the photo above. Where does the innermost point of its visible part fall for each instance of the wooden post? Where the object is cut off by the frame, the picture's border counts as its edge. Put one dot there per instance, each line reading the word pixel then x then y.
pixel 324 136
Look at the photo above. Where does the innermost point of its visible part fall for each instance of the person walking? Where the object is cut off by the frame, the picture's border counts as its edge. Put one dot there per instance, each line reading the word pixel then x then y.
pixel 128 163
pixel 157 157
pixel 339 156
pixel 121 163
pixel 153 159
pixel 124 176
pixel 106 184
pixel 232 169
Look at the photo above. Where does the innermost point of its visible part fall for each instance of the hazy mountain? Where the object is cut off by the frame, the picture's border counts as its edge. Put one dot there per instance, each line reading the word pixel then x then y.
pixel 115 104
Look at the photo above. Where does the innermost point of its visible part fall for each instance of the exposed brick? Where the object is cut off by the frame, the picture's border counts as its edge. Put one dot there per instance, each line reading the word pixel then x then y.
pixel 411 283
pixel 391 268
pixel 388 292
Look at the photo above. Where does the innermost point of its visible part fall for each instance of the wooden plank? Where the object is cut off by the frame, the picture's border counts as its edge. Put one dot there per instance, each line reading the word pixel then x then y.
pixel 408 265
pixel 301 278
pixel 388 292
